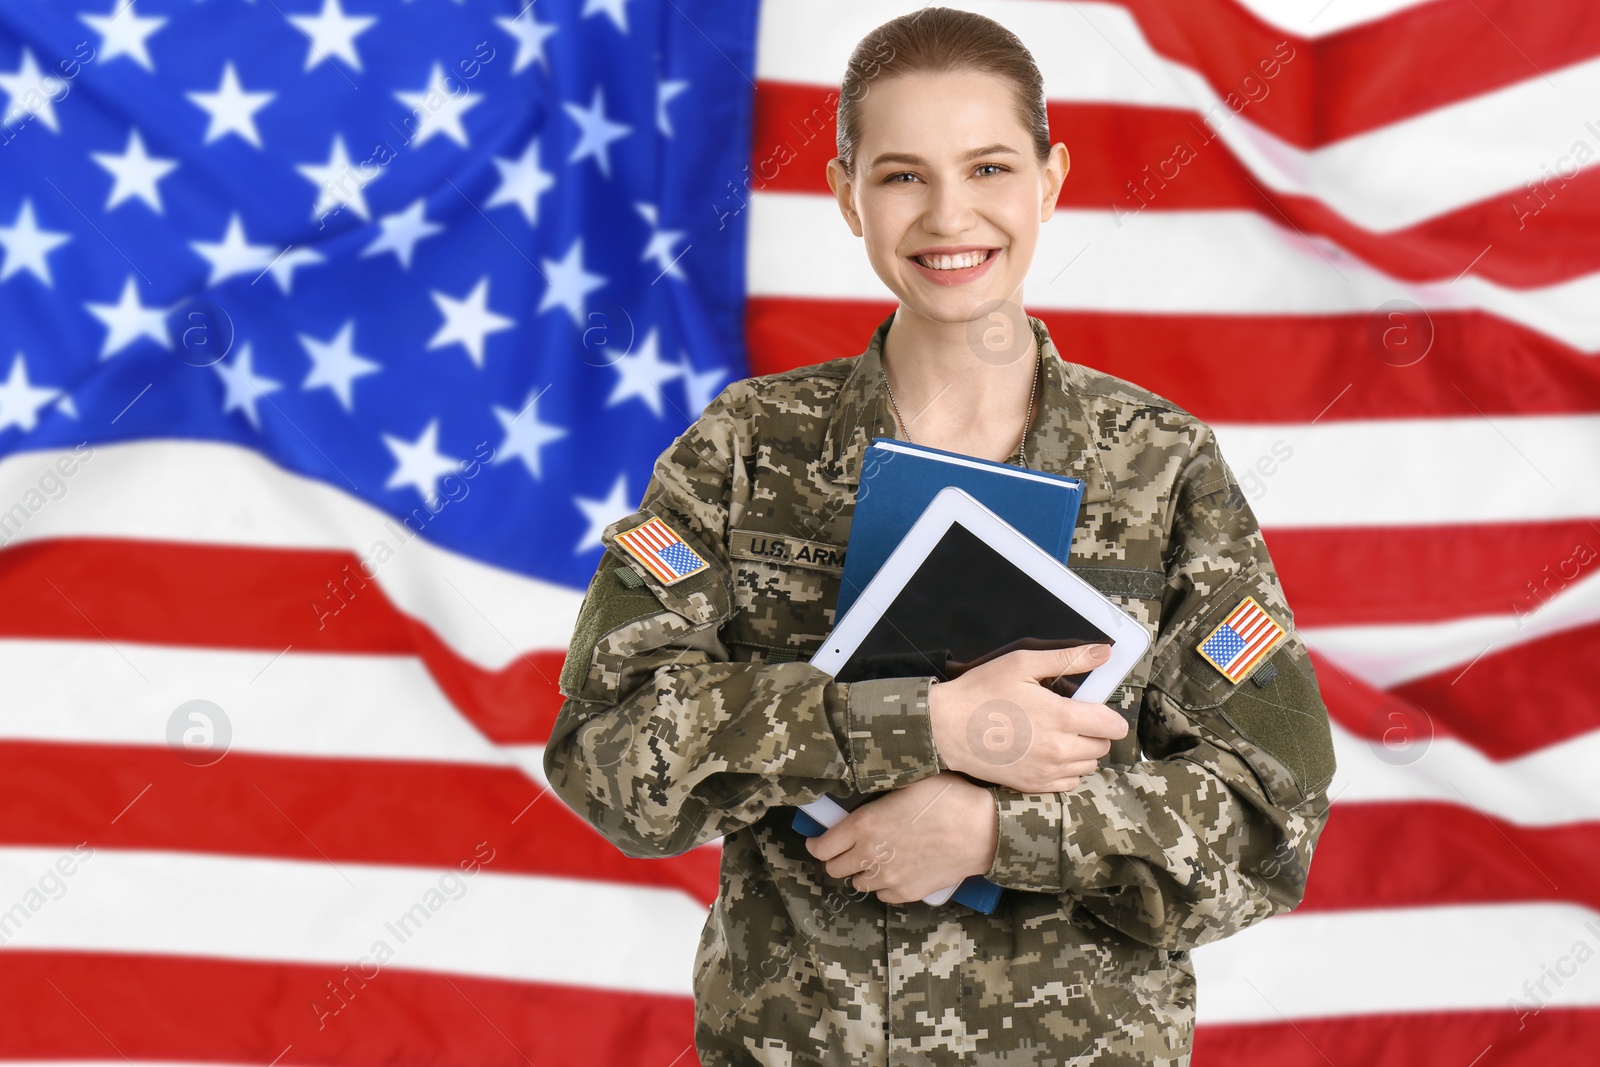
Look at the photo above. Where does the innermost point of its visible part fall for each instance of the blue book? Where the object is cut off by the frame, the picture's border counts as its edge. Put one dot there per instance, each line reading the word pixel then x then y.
pixel 898 481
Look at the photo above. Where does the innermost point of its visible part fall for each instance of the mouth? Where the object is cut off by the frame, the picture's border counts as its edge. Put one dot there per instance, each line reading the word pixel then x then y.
pixel 955 268
pixel 955 261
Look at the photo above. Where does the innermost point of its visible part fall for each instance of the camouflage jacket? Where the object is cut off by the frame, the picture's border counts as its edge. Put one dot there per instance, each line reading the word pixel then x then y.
pixel 691 713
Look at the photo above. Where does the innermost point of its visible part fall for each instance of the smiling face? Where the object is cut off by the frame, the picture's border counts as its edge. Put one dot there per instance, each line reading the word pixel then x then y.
pixel 947 192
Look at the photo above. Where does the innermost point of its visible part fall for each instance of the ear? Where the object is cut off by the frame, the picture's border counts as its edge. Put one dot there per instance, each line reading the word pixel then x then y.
pixel 1055 176
pixel 844 192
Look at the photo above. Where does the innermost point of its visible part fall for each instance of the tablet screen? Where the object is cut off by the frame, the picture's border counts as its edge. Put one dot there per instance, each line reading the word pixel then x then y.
pixel 943 622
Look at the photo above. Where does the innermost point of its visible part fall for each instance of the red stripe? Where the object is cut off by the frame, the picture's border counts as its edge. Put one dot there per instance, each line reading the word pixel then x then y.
pixel 1370 75
pixel 1336 577
pixel 316 809
pixel 1518 699
pixel 1251 368
pixel 1505 706
pixel 1417 855
pixel 148 592
pixel 1496 1037
pixel 106 1006
pixel 1128 159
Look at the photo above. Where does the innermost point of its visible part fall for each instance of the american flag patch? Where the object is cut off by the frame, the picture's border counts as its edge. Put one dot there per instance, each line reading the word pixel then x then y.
pixel 662 551
pixel 1240 641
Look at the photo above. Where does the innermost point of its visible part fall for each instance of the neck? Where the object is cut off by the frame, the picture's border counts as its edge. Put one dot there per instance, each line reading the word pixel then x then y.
pixel 950 377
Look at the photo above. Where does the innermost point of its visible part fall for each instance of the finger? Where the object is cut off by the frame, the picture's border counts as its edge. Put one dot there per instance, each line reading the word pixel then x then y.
pixel 1048 663
pixel 833 842
pixel 1080 768
pixel 850 863
pixel 1097 720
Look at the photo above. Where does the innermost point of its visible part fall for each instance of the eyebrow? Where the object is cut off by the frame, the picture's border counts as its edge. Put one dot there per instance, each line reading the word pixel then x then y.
pixel 918 161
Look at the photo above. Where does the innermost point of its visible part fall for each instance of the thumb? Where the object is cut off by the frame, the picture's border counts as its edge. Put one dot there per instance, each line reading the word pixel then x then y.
pixel 1048 663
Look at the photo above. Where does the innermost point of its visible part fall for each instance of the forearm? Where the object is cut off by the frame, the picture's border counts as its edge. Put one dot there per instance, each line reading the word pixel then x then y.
pixel 698 749
pixel 1173 852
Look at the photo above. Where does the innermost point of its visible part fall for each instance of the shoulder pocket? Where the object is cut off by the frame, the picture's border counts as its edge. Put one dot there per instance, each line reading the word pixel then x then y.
pixel 1273 716
pixel 624 592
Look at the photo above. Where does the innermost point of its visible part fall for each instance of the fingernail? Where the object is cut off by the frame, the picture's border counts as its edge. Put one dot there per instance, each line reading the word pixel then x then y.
pixel 1100 652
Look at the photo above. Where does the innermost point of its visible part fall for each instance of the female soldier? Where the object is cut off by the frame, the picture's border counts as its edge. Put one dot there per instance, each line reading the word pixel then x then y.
pixel 692 714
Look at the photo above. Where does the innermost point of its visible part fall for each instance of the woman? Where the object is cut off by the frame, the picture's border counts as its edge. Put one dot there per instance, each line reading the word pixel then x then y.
pixel 692 714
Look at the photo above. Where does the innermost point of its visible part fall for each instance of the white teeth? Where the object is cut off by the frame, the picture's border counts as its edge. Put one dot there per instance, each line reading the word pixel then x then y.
pixel 956 262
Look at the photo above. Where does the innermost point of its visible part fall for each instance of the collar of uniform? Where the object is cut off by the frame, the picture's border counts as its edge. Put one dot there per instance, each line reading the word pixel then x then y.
pixel 1059 441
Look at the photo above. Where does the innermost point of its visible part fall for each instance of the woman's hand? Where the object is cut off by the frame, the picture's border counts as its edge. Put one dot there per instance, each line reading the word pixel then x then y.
pixel 998 724
pixel 913 841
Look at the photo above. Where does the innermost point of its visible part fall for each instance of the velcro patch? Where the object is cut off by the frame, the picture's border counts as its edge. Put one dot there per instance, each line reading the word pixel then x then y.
pixel 1237 644
pixel 766 547
pixel 661 551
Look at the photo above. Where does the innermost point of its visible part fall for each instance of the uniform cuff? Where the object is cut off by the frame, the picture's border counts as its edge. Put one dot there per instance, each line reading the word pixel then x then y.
pixel 1028 845
pixel 888 732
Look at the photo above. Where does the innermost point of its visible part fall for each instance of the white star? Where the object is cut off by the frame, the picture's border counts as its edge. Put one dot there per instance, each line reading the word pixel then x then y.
pixel 243 386
pixel 661 241
pixel 123 33
pixel 419 463
pixel 525 435
pixel 700 387
pixel 233 254
pixel 530 34
pixel 402 231
pixel 468 320
pixel 665 91
pixel 136 173
pixel 20 401
pixel 332 31
pixel 232 110
pixel 617 9
pixel 641 373
pixel 128 320
pixel 28 95
pixel 602 513
pixel 596 132
pixel 283 267
pixel 341 185
pixel 569 283
pixel 27 246
pixel 335 364
pixel 521 182
pixel 443 115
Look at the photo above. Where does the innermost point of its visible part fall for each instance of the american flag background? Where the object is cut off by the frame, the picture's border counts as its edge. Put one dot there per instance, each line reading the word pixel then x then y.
pixel 333 332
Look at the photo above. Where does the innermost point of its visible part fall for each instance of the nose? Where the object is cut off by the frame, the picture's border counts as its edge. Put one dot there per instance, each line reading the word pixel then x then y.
pixel 950 210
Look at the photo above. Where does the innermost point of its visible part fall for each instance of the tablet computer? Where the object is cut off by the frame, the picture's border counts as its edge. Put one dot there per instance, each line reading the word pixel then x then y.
pixel 964 587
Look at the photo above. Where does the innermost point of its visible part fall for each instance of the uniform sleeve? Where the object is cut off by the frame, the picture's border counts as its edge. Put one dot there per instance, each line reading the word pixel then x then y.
pixel 1214 829
pixel 662 743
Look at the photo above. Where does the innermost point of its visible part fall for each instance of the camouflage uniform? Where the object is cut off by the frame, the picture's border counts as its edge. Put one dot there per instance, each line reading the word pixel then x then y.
pixel 691 714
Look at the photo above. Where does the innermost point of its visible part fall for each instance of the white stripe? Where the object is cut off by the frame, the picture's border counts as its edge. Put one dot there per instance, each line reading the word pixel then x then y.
pixel 308 705
pixel 528 928
pixel 638 938
pixel 210 493
pixel 1380 962
pixel 1550 787
pixel 1418 472
pixel 1385 656
pixel 1159 262
pixel 1395 176
pixel 386 707
pixel 1326 17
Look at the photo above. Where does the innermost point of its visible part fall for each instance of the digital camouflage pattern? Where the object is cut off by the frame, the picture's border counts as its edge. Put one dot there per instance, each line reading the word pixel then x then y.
pixel 692 714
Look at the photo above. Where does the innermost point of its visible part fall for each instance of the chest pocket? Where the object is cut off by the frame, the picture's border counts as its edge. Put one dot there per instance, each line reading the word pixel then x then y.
pixel 785 589
pixel 1139 593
